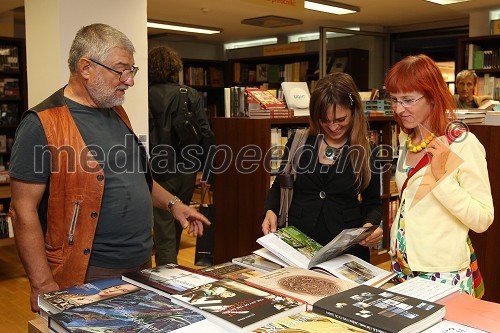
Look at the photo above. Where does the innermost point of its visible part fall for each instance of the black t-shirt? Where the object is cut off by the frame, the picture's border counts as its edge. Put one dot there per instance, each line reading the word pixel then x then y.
pixel 123 236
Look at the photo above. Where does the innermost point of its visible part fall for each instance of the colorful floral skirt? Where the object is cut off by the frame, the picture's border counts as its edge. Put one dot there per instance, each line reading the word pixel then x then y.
pixel 399 264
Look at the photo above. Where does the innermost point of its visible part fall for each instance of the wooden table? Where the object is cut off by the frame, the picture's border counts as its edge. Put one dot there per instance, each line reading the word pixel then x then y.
pixel 38 325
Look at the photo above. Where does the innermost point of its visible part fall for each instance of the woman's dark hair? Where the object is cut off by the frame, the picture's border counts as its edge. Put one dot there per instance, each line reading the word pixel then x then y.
pixel 164 65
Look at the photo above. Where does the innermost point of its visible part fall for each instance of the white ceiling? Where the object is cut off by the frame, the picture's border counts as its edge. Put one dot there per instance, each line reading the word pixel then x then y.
pixel 390 15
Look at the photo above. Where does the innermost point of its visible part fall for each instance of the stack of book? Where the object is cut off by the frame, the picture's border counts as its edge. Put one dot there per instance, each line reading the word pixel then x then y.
pixel 471 116
pixel 263 104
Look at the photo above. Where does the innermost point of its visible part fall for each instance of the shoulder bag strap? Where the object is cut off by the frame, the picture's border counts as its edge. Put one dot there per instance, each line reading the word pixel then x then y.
pixel 287 177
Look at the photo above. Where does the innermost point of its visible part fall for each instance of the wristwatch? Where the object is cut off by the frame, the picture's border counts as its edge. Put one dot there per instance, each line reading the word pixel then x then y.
pixel 172 202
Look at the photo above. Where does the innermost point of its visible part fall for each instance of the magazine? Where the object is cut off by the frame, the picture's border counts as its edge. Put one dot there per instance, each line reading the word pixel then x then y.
pixel 297 249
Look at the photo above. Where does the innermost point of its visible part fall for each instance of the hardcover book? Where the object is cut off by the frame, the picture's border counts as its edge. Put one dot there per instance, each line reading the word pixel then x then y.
pixel 139 311
pixel 59 300
pixel 308 322
pixel 380 311
pixel 427 290
pixel 267 100
pixel 299 283
pixel 168 279
pixel 237 307
pixel 297 249
pixel 256 262
pixel 473 312
pixel 230 270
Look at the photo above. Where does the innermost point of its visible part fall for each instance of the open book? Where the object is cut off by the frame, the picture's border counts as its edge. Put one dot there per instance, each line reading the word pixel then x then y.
pixel 297 249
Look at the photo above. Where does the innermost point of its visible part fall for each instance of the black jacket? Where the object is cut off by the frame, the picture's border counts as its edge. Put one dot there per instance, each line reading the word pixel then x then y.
pixel 324 204
pixel 167 156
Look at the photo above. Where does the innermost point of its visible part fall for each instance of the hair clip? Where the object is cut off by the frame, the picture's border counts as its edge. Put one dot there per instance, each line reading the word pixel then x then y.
pixel 352 101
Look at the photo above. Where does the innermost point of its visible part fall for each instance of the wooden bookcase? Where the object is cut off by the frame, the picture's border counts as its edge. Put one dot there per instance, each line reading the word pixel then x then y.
pixel 209 78
pixel 489 67
pixel 13 102
pixel 352 61
pixel 239 192
pixel 486 244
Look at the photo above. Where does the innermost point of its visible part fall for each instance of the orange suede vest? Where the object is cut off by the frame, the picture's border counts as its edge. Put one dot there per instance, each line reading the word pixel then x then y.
pixel 76 188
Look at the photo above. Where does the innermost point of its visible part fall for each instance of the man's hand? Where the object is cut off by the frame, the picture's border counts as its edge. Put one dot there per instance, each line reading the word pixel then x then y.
pixel 270 223
pixel 190 218
pixel 35 291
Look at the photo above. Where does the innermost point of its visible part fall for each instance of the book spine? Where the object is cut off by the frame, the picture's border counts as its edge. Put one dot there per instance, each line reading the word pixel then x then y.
pixel 347 320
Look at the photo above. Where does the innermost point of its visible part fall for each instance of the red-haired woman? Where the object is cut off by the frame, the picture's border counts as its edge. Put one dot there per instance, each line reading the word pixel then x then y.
pixel 442 178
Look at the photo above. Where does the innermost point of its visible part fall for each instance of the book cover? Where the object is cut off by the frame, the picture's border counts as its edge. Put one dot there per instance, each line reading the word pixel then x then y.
pixel 231 271
pixel 308 322
pixel 59 300
pixel 168 279
pixel 237 307
pixel 139 311
pixel 381 311
pixel 256 262
pixel 297 97
pixel 473 312
pixel 265 98
pixel 299 283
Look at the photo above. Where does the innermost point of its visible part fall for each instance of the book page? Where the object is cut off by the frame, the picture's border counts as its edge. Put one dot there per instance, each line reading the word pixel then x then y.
pixel 283 251
pixel 447 326
pixel 349 267
pixel 344 240
pixel 425 289
pixel 265 253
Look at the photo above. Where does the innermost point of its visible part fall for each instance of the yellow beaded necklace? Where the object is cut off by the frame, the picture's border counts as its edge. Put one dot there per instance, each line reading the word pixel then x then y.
pixel 419 147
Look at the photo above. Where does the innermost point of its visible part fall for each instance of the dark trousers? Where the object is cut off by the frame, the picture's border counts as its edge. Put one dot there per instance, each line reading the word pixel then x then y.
pixel 98 273
pixel 167 231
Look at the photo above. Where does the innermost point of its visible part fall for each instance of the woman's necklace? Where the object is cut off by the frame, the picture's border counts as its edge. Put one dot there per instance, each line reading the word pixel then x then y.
pixel 421 145
pixel 331 153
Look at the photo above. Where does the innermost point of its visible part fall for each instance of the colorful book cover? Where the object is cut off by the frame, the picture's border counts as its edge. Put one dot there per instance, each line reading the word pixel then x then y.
pixel 308 322
pixel 168 279
pixel 140 311
pixel 238 307
pixel 256 262
pixel 230 270
pixel 59 300
pixel 300 283
pixel 381 311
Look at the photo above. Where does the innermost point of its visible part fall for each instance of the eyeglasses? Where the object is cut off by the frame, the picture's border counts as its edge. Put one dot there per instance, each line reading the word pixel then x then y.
pixel 124 75
pixel 405 102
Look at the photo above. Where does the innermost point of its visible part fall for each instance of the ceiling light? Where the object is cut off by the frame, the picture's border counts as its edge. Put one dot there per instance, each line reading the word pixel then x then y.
pixel 183 27
pixel 330 7
pixel 250 43
pixel 446 2
pixel 315 35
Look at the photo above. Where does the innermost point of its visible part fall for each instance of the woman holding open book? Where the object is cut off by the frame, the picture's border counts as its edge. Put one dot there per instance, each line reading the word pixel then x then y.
pixel 334 187
pixel 442 179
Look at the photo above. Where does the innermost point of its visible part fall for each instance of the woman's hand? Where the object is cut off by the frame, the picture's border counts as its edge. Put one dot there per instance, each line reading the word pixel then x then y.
pixel 374 238
pixel 439 149
pixel 270 223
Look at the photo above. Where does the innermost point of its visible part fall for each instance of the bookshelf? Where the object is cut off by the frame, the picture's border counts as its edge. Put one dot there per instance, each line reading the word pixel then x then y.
pixel 208 78
pixel 299 67
pixel 240 188
pixel 482 54
pixel 486 243
pixel 13 102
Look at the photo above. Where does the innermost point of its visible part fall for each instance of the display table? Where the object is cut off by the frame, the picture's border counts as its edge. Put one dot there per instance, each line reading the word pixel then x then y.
pixel 38 325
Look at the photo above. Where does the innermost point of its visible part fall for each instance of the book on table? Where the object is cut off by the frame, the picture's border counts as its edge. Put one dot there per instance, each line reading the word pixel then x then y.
pixel 168 279
pixel 139 311
pixel 381 311
pixel 308 322
pixel 446 326
pixel 300 283
pixel 230 270
pixel 297 249
pixel 256 262
pixel 265 253
pixel 59 300
pixel 427 290
pixel 237 307
pixel 473 312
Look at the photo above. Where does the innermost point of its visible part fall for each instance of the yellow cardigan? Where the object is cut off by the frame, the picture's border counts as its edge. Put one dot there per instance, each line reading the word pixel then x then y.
pixel 438 215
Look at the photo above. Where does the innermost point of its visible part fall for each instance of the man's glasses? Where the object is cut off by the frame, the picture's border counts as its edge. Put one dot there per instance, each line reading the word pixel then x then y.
pixel 124 75
pixel 405 102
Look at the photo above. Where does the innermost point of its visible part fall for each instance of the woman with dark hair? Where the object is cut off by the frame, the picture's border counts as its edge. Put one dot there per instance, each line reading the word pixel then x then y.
pixel 442 179
pixel 171 164
pixel 335 188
